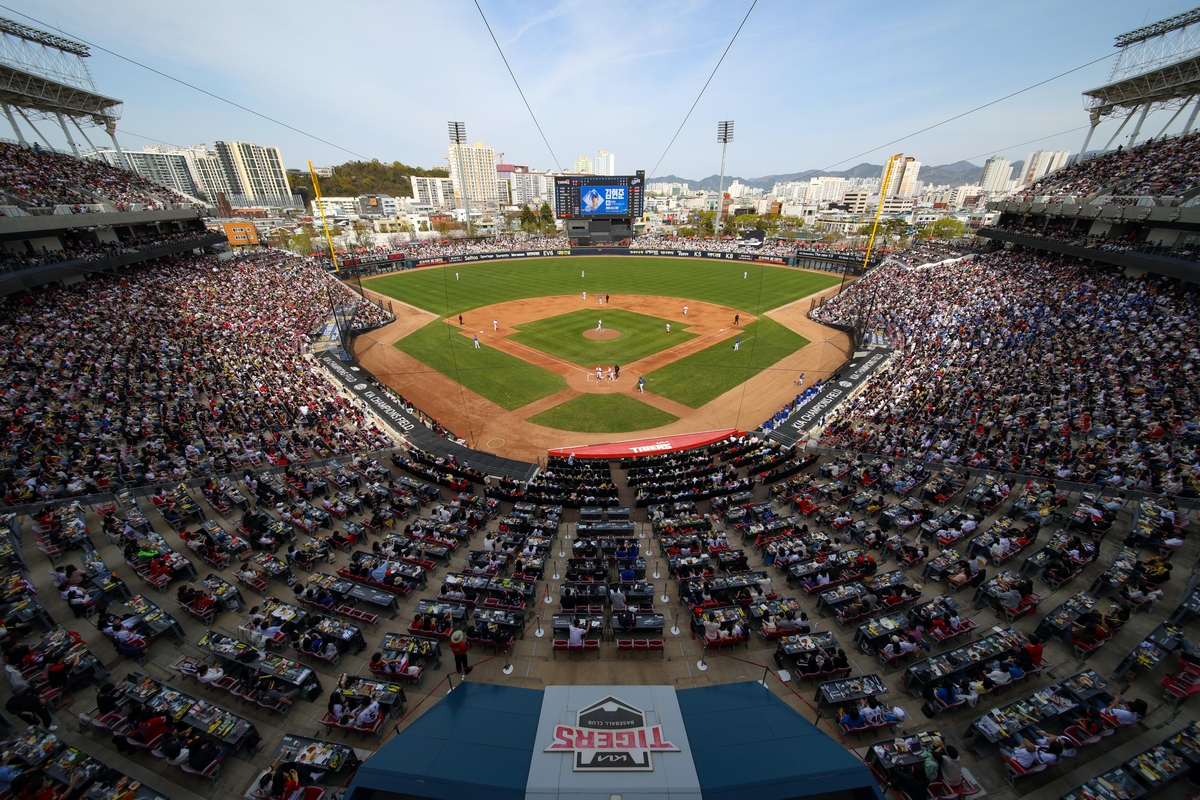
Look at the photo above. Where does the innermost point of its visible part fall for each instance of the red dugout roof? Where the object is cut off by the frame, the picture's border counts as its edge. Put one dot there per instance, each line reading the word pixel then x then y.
pixel 645 447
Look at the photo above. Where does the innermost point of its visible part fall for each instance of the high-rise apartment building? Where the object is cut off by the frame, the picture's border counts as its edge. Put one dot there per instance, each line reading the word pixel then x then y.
pixel 826 189
pixel 473 173
pixel 582 166
pixel 903 182
pixel 1042 163
pixel 532 188
pixel 255 174
pixel 436 192
pixel 605 164
pixel 156 163
pixel 996 174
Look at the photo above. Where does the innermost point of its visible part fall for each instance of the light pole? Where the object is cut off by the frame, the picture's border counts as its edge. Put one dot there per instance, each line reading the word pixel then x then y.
pixel 724 136
pixel 458 138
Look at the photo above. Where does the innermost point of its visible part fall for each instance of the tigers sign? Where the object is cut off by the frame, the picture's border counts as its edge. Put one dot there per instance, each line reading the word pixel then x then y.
pixel 610 736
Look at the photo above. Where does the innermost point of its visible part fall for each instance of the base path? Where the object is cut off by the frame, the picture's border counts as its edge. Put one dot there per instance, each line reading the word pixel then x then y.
pixel 479 421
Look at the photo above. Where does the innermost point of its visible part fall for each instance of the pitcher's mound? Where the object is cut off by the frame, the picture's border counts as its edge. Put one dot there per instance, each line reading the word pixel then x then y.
pixel 607 333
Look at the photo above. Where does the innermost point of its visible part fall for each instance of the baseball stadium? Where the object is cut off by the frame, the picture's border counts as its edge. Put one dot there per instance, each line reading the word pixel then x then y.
pixel 600 507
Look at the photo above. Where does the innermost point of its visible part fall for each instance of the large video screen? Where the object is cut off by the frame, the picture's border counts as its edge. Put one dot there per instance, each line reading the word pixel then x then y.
pixel 599 196
pixel 604 200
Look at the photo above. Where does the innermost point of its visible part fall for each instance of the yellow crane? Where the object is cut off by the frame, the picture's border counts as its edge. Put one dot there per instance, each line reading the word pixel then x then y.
pixel 883 190
pixel 321 208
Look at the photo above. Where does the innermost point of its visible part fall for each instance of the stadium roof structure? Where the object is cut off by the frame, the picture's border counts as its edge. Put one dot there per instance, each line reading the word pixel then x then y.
pixel 524 744
pixel 1158 67
pixel 45 76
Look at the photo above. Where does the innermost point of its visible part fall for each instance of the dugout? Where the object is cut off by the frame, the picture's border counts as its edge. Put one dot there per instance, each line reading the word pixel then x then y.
pixel 731 742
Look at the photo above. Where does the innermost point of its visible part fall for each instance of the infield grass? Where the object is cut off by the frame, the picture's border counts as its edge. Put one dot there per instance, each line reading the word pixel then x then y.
pixel 562 336
pixel 603 413
pixel 714 281
pixel 506 380
pixel 704 376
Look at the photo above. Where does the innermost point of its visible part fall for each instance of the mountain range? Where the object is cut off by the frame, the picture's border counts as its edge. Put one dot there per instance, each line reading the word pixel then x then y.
pixel 956 174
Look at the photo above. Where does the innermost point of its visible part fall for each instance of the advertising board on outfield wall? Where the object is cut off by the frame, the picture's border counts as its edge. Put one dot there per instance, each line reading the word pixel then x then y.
pixel 598 251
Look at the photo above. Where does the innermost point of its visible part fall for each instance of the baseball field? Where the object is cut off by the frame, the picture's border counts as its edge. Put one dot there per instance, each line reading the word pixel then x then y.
pixel 596 344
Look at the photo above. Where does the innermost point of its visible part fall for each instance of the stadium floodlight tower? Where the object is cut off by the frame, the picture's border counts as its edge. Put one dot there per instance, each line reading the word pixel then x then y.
pixel 724 136
pixel 458 139
pixel 1158 67
pixel 45 77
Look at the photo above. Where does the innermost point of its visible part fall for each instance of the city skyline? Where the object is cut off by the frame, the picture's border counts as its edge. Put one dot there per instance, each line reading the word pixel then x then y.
pixel 550 50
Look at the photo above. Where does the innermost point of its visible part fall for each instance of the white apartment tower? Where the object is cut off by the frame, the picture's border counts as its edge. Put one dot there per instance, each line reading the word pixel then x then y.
pixel 1042 163
pixel 436 192
pixel 473 174
pixel 255 174
pixel 605 164
pixel 582 166
pixel 903 182
pixel 996 174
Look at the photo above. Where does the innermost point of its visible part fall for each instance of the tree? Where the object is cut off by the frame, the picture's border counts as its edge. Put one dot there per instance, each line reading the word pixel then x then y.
pixel 687 231
pixel 546 218
pixel 364 235
pixel 529 220
pixel 302 240
pixel 944 228
pixel 424 227
pixel 366 177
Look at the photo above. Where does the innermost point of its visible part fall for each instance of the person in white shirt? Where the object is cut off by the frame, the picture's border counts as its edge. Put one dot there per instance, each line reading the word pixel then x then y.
pixel 367 716
pixel 712 630
pixel 211 674
pixel 577 631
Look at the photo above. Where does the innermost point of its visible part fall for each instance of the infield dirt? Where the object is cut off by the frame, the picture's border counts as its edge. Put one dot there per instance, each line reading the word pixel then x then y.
pixel 479 420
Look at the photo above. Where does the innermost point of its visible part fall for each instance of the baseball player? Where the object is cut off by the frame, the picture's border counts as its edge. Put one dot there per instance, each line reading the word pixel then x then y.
pixel 476 341
pixel 685 311
pixel 737 343
pixel 668 327
pixel 495 325
pixel 599 324
pixel 642 385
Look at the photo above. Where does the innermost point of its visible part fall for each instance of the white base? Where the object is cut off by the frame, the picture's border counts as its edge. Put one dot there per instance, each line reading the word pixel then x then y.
pixel 700 665
pixel 539 633
pixel 508 670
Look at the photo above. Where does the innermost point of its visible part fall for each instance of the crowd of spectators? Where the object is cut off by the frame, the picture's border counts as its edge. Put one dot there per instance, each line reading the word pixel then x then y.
pixel 1107 243
pixel 186 368
pixel 933 251
pixel 90 249
pixel 42 178
pixel 768 247
pixel 1166 166
pixel 1028 363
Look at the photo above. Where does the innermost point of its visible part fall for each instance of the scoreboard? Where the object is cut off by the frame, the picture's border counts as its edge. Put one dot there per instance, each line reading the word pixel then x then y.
pixel 599 196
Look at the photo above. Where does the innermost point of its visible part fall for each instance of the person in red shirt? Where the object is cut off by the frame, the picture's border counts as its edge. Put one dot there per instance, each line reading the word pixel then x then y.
pixel 147 732
pixel 1034 648
pixel 459 646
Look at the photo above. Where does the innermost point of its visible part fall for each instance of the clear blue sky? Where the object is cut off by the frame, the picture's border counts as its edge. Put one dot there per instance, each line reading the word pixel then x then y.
pixel 808 84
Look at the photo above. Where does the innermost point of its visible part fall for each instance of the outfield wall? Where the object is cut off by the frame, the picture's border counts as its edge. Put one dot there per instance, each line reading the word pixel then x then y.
pixel 395 261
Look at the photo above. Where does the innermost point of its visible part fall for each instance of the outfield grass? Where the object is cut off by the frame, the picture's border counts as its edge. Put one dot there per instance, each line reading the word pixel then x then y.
pixel 603 413
pixel 704 376
pixel 506 380
pixel 562 336
pixel 483 284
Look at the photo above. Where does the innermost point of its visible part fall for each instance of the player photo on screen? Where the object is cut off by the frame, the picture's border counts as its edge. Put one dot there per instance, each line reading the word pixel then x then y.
pixel 605 200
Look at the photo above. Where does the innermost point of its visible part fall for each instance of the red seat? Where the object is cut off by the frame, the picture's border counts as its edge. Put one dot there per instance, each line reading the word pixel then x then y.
pixel 624 646
pixel 560 646
pixel 1079 737
pixel 1013 770
pixel 591 645
pixel 657 645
